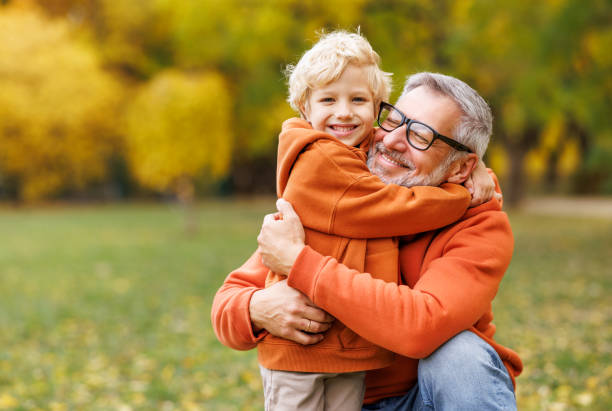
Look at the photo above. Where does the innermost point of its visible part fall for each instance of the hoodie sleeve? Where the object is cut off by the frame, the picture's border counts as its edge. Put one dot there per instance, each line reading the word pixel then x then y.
pixel 454 289
pixel 332 190
pixel 230 315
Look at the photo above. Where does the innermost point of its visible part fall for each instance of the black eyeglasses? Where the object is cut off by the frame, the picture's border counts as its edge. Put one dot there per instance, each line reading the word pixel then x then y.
pixel 419 135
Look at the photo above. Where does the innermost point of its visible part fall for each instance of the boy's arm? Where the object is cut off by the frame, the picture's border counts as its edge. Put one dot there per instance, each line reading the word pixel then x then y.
pixel 333 191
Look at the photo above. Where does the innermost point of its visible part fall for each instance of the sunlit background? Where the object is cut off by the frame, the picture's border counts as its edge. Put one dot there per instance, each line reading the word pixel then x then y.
pixel 120 99
pixel 112 110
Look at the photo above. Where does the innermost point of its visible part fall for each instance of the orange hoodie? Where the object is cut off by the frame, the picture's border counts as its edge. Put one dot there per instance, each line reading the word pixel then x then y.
pixel 353 216
pixel 449 279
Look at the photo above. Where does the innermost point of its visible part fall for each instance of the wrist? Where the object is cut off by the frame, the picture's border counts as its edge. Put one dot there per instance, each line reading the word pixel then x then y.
pixel 293 252
pixel 256 324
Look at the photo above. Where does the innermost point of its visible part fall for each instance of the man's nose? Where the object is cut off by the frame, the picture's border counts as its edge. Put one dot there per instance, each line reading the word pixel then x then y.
pixel 396 139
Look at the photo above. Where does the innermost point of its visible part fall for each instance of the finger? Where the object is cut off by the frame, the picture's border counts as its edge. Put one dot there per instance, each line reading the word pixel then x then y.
pixel 286 209
pixel 316 314
pixel 268 218
pixel 305 338
pixel 315 327
pixel 469 184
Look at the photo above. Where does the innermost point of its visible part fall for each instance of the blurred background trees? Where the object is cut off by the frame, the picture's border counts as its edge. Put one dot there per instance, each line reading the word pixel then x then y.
pixel 100 98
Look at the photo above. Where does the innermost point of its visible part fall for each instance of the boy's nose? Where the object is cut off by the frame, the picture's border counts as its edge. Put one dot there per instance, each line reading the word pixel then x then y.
pixel 344 111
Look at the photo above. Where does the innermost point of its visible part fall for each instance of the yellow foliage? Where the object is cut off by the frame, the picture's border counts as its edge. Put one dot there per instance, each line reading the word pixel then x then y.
pixel 535 163
pixel 7 402
pixel 570 158
pixel 497 159
pixel 552 133
pixel 272 118
pixel 179 126
pixel 597 46
pixel 132 29
pixel 56 106
pixel 552 137
pixel 513 116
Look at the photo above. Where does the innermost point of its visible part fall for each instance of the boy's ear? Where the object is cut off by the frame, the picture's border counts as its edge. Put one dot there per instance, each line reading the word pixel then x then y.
pixel 303 113
pixel 460 170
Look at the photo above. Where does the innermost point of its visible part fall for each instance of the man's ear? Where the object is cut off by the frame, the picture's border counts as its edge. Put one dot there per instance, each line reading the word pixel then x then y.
pixel 460 170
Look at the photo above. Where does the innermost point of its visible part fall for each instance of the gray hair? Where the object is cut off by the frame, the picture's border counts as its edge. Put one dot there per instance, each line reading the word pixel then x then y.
pixel 476 124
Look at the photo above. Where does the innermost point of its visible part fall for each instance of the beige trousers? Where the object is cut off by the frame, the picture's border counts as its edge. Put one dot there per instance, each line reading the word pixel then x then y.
pixel 306 391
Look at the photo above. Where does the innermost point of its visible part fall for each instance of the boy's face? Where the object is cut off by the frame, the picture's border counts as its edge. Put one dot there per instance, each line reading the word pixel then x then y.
pixel 343 108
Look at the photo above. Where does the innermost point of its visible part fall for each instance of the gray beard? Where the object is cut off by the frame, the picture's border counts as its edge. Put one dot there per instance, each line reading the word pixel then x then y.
pixel 435 178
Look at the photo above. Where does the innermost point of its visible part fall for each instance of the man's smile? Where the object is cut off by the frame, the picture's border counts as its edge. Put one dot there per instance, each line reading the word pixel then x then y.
pixel 387 157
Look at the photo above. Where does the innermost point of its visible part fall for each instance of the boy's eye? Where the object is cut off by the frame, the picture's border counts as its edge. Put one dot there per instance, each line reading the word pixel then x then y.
pixel 326 100
pixel 360 99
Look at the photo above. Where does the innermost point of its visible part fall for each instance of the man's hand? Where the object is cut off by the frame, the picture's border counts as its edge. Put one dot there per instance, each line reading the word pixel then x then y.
pixel 481 185
pixel 287 313
pixel 281 238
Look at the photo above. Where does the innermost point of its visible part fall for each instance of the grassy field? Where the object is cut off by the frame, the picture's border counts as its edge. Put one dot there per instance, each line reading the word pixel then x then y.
pixel 108 307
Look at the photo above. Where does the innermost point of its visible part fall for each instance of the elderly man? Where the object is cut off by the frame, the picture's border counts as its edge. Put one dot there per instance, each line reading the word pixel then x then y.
pixel 438 319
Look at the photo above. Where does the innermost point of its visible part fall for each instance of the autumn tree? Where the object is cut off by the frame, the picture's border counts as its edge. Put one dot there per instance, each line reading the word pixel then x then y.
pixel 179 128
pixel 544 67
pixel 57 107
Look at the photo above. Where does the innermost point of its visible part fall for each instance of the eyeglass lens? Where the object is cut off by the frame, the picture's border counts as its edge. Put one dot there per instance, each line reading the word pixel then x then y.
pixel 419 135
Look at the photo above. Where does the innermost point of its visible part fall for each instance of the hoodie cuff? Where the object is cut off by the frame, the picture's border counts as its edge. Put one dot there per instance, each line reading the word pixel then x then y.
pixel 304 272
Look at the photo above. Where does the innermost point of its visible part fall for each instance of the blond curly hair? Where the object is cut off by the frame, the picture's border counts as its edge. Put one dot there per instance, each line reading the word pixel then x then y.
pixel 326 61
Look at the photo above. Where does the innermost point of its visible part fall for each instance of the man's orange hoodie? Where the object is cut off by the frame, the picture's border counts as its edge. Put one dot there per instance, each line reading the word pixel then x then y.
pixel 449 280
pixel 351 215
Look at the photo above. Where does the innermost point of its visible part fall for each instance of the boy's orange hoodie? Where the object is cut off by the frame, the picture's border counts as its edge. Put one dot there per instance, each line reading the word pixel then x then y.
pixel 351 215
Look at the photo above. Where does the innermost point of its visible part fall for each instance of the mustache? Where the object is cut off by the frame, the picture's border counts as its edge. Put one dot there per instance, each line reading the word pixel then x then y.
pixel 394 155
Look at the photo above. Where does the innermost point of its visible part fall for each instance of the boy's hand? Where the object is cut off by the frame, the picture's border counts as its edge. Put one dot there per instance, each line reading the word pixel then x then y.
pixel 281 238
pixel 481 185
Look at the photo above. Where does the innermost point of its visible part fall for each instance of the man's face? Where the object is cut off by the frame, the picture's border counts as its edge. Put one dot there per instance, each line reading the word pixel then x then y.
pixel 395 161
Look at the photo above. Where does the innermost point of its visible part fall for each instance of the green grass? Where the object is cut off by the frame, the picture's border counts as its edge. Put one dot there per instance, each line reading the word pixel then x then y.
pixel 108 308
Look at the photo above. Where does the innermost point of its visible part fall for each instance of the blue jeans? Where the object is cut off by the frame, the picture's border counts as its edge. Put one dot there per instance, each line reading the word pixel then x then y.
pixel 463 374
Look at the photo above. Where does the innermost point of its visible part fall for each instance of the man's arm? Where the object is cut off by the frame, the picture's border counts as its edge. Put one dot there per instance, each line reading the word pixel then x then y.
pixel 243 312
pixel 455 289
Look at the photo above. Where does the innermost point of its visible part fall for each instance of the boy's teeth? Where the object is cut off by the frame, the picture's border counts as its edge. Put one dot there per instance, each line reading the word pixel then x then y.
pixel 345 128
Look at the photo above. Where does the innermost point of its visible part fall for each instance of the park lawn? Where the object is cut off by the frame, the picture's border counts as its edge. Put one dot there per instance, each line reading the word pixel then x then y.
pixel 108 307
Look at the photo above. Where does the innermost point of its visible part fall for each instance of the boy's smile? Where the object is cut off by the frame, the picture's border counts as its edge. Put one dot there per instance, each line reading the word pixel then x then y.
pixel 343 108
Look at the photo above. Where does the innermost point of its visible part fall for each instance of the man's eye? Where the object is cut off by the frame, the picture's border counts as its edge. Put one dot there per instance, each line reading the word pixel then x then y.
pixel 419 138
pixel 391 123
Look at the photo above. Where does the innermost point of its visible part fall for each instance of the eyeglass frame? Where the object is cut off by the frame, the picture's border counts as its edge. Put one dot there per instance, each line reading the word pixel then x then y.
pixel 437 136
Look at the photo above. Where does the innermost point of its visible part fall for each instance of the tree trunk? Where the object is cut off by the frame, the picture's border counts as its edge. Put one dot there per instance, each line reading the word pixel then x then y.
pixel 515 190
pixel 551 178
pixel 185 192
